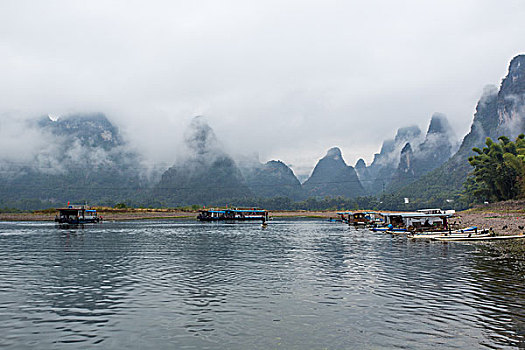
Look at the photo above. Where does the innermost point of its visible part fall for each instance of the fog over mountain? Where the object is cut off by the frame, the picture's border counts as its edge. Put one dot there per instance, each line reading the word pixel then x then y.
pixel 286 79
pixel 76 158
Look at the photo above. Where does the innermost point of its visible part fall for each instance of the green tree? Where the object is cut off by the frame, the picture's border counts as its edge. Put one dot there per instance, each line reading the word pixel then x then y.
pixel 499 170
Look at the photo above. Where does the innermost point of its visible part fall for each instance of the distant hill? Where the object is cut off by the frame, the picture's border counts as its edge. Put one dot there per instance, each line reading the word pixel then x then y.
pixel 86 161
pixel 332 177
pixel 272 179
pixel 207 175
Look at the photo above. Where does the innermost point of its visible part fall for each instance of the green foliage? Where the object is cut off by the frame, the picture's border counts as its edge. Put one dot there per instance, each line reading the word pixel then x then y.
pixel 499 171
pixel 120 206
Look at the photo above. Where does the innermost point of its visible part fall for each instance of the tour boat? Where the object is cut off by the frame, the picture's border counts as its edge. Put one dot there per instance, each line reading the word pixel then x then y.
pixel 76 214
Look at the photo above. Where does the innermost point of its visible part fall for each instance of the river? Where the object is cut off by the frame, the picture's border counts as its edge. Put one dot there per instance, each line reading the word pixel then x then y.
pixel 296 284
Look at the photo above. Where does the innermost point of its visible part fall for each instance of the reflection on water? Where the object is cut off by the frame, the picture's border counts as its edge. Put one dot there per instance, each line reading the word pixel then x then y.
pixel 296 284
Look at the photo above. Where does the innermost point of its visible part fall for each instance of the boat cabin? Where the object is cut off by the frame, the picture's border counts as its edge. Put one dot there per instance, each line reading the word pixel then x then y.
pixel 418 221
pixel 360 218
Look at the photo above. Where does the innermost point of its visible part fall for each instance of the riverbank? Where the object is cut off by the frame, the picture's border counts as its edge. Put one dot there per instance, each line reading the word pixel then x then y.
pixel 504 218
pixel 107 214
pixel 111 214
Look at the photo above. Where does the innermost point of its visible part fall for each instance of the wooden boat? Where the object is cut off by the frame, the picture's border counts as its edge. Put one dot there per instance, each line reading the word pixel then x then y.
pixel 233 215
pixel 76 215
pixel 473 238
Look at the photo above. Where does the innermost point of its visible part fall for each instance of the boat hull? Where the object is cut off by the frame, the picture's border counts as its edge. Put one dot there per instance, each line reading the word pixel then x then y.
pixel 77 222
pixel 488 238
pixel 452 235
pixel 466 232
pixel 386 229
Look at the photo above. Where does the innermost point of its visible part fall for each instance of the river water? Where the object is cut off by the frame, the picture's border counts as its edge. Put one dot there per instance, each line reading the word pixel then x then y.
pixel 296 284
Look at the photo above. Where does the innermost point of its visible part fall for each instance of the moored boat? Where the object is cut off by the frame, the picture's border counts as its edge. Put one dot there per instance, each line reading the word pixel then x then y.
pixel 76 215
pixel 426 220
pixel 243 214
pixel 344 216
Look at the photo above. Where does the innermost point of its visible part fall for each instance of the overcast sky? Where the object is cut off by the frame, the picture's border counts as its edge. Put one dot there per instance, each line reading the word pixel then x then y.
pixel 288 79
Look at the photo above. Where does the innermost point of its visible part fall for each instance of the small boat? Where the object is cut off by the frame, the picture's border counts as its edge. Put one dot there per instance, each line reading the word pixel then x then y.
pixel 466 232
pixel 344 216
pixel 449 235
pixel 474 238
pixel 236 214
pixel 76 215
pixel 365 218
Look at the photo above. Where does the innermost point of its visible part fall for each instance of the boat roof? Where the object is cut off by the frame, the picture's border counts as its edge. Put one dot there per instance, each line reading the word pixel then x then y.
pixel 233 210
pixel 248 210
pixel 417 215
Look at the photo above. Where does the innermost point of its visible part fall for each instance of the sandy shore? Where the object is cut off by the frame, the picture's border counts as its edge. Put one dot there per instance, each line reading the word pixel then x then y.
pixel 504 217
pixel 501 223
pixel 149 214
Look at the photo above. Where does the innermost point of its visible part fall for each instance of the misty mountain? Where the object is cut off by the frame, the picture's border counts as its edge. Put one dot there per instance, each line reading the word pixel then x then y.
pixel 380 172
pixel 364 174
pixel 332 177
pixel 84 159
pixel 206 175
pixel 498 112
pixel 436 149
pixel 272 179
